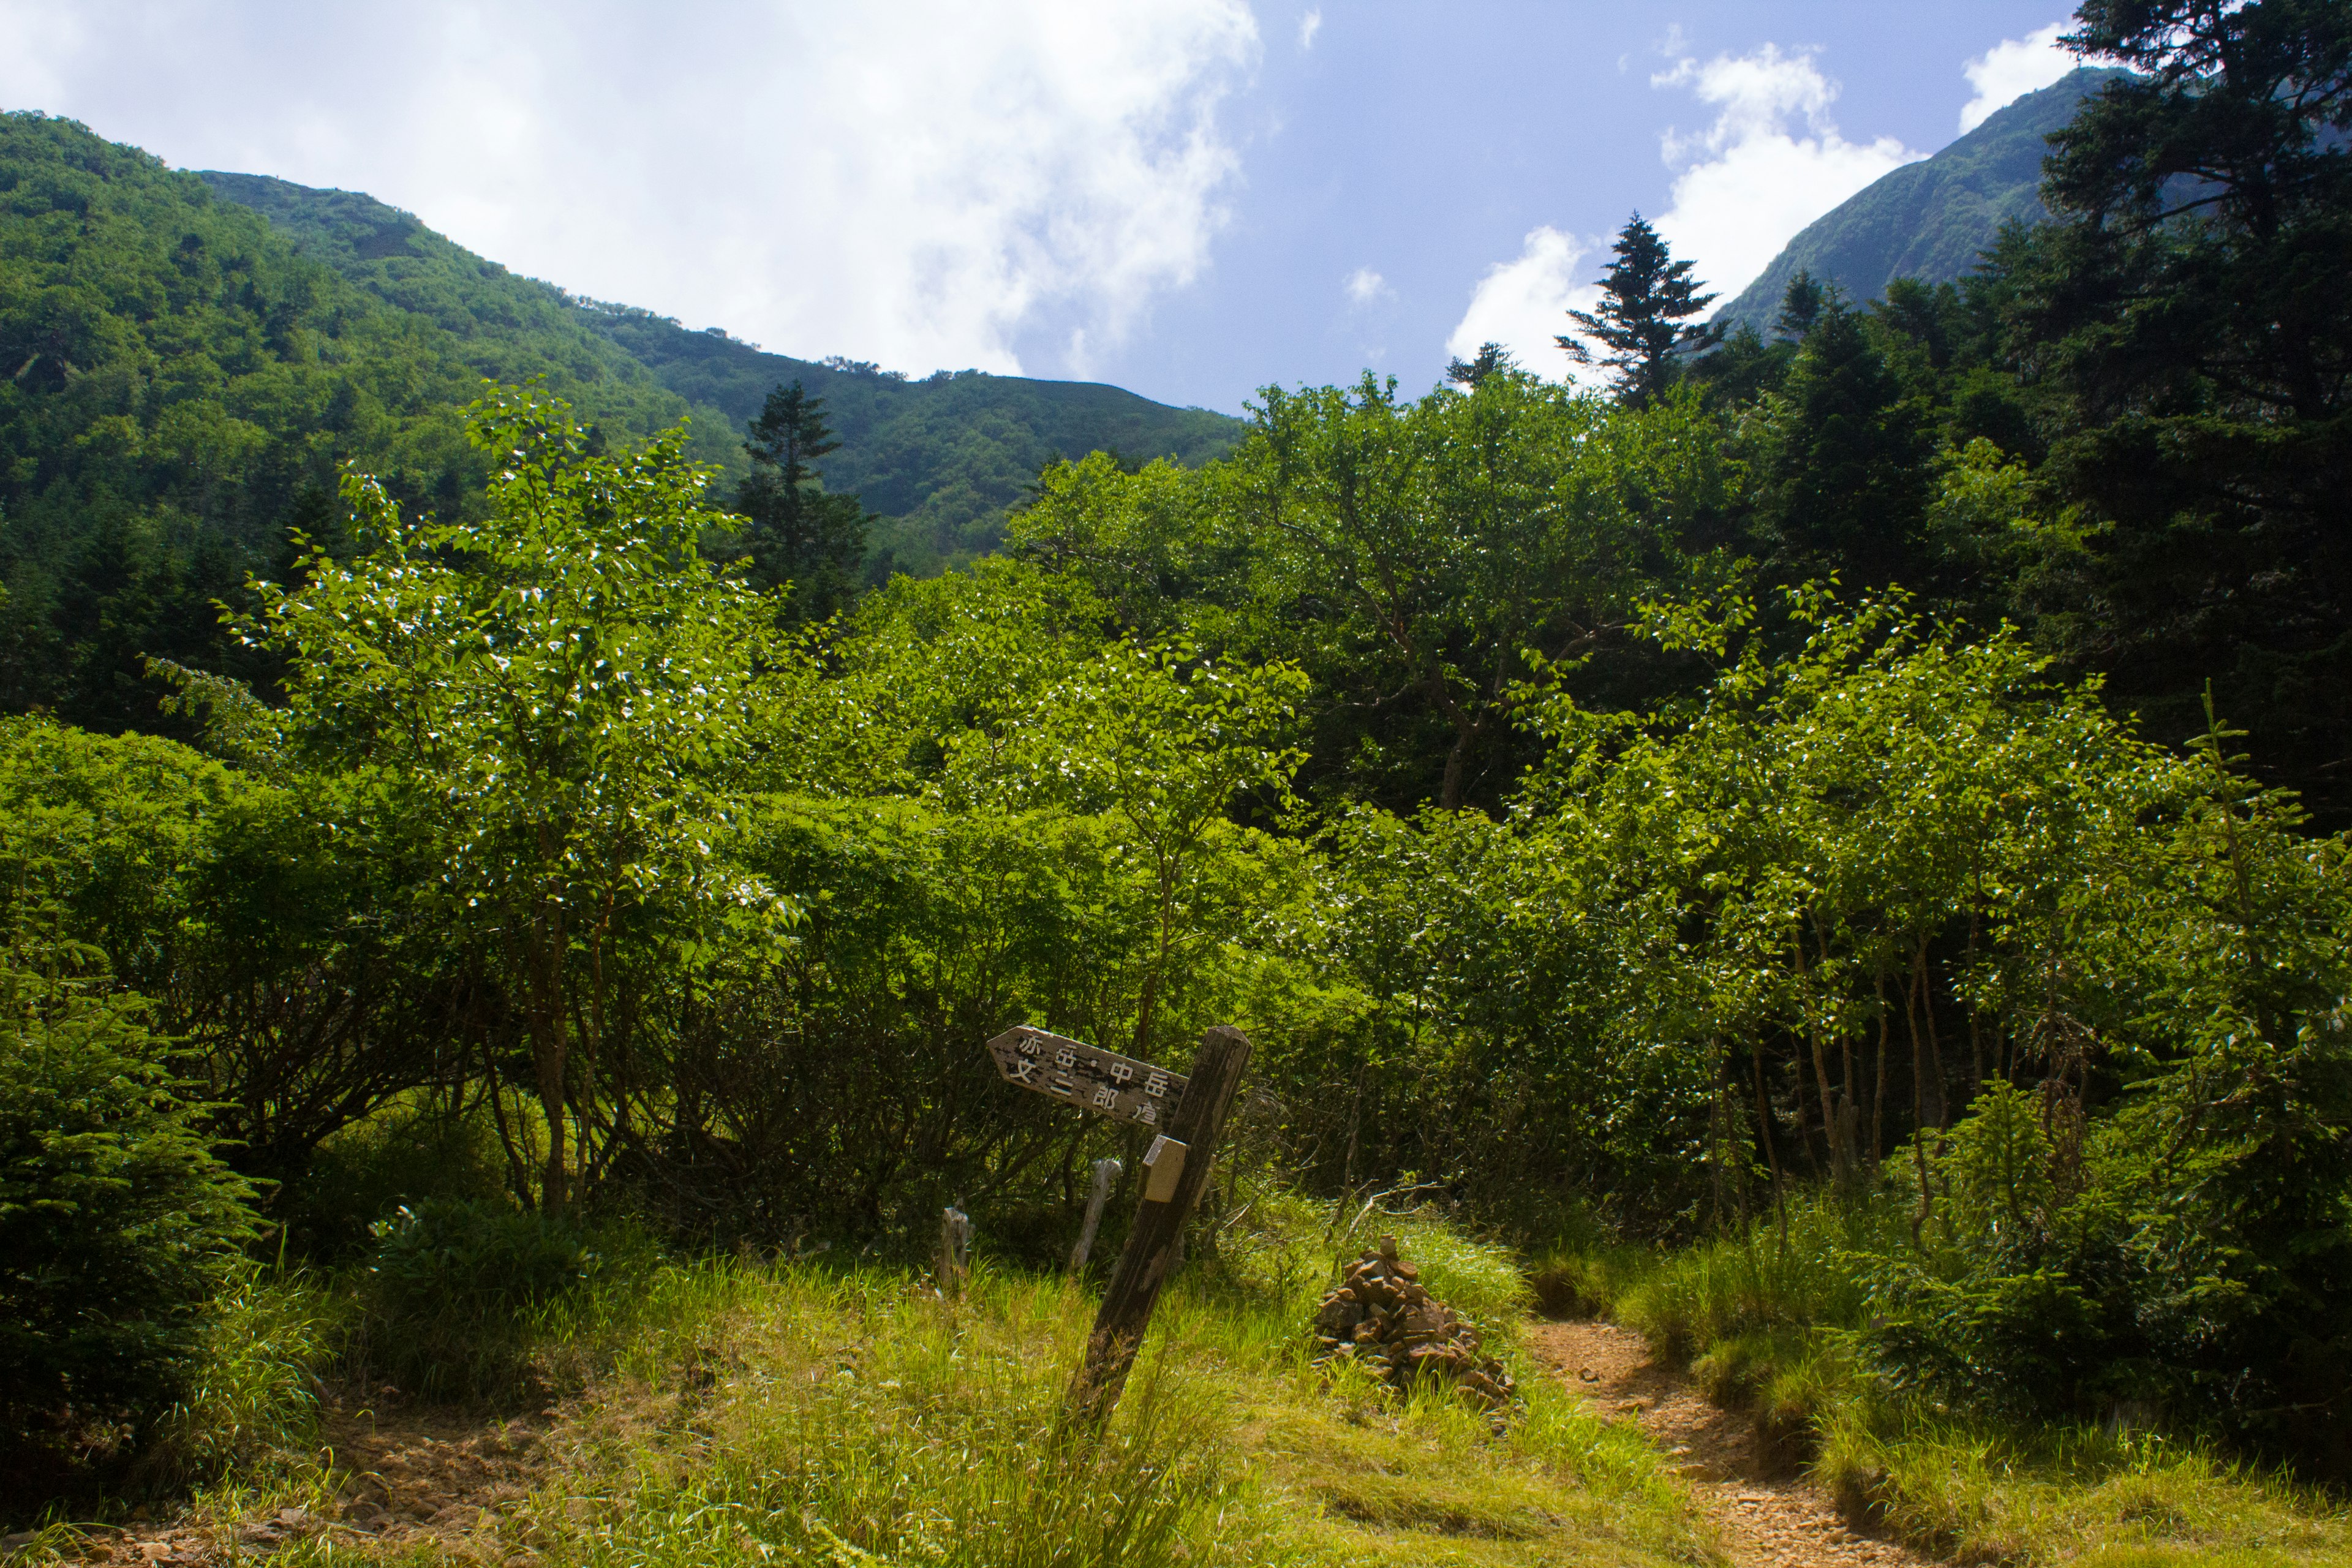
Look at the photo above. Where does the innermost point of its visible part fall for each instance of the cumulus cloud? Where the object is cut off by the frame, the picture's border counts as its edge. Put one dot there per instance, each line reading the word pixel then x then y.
pixel 1523 304
pixel 1771 161
pixel 1363 286
pixel 928 183
pixel 1308 26
pixel 2011 68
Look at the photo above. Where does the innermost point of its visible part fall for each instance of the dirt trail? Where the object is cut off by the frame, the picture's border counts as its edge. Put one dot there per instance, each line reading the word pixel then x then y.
pixel 1770 1518
pixel 413 1478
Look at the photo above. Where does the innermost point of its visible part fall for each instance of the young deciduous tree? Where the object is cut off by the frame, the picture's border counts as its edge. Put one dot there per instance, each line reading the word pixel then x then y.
pixel 559 692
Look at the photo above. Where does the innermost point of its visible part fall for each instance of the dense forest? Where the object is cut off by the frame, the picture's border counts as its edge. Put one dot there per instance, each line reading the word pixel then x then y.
pixel 1869 793
pixel 191 359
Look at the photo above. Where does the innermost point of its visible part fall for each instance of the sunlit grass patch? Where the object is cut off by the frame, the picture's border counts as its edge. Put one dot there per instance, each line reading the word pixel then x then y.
pixel 2075 1495
pixel 1360 1475
pixel 796 1415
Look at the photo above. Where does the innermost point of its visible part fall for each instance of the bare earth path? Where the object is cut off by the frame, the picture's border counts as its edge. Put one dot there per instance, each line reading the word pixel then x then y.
pixel 1770 1518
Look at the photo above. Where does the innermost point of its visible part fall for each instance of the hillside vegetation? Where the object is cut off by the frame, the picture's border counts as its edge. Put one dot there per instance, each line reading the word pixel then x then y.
pixel 1928 221
pixel 1831 852
pixel 185 374
pixel 943 456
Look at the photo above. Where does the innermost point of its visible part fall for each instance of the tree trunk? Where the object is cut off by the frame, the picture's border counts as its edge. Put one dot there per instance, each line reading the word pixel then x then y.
pixel 548 1052
pixel 1457 760
pixel 1840 1170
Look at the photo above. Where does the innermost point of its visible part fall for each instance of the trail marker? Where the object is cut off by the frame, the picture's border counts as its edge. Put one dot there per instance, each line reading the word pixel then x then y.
pixel 1188 1112
pixel 1088 1077
pixel 1097 1193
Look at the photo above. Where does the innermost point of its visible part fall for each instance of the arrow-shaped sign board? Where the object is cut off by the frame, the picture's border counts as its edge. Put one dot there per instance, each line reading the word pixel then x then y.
pixel 1078 1074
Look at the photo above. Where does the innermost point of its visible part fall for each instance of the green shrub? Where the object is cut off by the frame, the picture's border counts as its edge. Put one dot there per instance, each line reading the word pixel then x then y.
pixel 118 1225
pixel 369 1169
pixel 453 1288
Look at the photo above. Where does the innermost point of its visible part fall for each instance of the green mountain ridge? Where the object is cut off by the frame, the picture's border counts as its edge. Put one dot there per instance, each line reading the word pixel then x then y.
pixel 942 457
pixel 187 363
pixel 1928 220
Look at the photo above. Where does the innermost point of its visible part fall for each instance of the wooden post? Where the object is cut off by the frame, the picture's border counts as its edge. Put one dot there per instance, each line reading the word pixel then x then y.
pixel 955 1248
pixel 1168 1201
pixel 1106 1172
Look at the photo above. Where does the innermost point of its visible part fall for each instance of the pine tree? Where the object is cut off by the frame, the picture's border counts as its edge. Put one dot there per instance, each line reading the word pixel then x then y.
pixel 2186 328
pixel 1800 304
pixel 1647 297
pixel 798 533
pixel 1845 467
pixel 1492 359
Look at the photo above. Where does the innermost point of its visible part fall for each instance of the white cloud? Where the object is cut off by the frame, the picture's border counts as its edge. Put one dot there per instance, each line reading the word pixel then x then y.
pixel 927 183
pixel 1363 286
pixel 1770 164
pixel 1523 305
pixel 2011 68
pixel 1308 26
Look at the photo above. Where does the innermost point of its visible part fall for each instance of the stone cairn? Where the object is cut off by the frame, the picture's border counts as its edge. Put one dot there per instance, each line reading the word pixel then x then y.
pixel 1384 1320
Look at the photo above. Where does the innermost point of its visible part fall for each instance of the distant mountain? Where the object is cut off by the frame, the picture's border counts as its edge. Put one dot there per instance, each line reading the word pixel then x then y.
pixel 944 456
pixel 186 364
pixel 1928 220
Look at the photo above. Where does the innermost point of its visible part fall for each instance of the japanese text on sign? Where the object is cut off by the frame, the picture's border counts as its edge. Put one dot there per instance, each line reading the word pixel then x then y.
pixel 1102 1081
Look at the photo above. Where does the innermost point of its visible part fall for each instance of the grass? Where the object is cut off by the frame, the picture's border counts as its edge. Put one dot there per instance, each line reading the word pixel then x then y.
pixel 2075 1495
pixel 1765 1323
pixel 728 1412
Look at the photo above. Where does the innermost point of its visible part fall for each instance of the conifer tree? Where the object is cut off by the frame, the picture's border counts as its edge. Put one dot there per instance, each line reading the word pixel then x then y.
pixel 1800 304
pixel 798 533
pixel 1647 299
pixel 1845 467
pixel 1492 359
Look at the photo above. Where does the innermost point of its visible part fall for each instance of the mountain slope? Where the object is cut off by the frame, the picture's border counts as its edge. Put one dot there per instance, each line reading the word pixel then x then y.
pixel 1926 220
pixel 177 390
pixel 944 455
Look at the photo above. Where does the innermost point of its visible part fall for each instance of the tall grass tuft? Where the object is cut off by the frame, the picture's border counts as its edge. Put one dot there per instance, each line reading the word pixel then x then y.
pixel 1809 1276
pixel 1996 1493
pixel 854 1419
pixel 253 1402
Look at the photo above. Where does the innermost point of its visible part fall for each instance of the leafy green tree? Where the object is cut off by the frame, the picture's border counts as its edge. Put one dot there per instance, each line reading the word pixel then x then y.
pixel 796 533
pixel 560 692
pixel 1643 319
pixel 1162 741
pixel 1407 556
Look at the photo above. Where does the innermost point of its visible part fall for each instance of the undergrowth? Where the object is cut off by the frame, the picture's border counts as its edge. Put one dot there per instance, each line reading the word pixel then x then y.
pixel 735 1411
pixel 1775 1321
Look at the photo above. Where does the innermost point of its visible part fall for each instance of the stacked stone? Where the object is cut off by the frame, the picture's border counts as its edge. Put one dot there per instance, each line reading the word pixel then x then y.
pixel 1383 1318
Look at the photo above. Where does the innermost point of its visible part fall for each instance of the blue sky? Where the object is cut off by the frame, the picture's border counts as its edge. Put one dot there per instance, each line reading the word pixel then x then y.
pixel 1187 197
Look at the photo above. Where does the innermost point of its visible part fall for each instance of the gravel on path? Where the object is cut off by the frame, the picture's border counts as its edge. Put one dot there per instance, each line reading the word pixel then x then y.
pixel 1770 1518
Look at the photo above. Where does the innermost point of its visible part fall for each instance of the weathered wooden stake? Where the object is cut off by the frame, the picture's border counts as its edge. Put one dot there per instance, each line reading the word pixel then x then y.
pixel 1106 1172
pixel 955 1248
pixel 1152 1248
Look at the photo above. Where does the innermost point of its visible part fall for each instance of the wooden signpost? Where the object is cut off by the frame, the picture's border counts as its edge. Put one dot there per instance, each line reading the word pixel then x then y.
pixel 1188 1113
